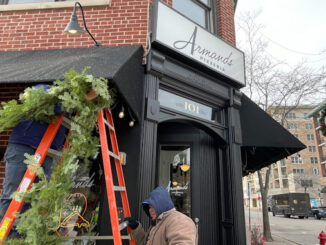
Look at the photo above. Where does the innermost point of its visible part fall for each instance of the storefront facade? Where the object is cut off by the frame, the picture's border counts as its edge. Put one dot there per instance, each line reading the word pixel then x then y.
pixel 186 99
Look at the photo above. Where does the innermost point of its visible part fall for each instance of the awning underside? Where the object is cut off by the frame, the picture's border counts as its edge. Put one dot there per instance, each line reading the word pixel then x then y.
pixel 264 141
pixel 121 64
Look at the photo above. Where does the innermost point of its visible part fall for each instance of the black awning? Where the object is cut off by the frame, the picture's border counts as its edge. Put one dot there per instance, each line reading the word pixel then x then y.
pixel 264 141
pixel 121 64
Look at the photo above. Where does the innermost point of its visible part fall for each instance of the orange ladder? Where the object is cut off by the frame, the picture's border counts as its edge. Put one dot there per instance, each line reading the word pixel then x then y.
pixel 108 174
pixel 28 179
pixel 40 154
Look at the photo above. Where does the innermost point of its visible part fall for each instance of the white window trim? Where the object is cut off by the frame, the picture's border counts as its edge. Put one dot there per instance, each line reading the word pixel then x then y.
pixel 53 5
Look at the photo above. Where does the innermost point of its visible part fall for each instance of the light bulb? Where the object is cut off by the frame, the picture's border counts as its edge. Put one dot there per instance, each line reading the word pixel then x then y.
pixel 121 114
pixel 131 123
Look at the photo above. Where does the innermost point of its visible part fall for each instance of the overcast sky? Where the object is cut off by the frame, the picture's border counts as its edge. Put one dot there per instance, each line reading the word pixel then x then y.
pixel 297 25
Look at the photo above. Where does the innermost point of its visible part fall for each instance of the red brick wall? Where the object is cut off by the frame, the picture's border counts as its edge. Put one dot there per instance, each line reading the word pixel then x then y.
pixel 225 12
pixel 123 23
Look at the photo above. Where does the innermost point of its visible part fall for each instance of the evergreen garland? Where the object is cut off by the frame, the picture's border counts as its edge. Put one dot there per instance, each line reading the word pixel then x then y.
pixel 47 197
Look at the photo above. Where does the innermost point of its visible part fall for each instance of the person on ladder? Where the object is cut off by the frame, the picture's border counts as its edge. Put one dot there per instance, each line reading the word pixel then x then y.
pixel 25 138
pixel 168 226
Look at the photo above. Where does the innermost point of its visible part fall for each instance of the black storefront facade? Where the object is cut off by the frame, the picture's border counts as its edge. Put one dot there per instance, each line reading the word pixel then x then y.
pixel 192 134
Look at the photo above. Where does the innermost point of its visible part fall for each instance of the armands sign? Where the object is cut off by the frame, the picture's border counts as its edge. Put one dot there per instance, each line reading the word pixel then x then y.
pixel 180 34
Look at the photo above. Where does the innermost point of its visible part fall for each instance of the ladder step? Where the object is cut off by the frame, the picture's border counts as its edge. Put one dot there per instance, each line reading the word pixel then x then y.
pixel 119 188
pixel 114 155
pixel 108 124
pixel 126 237
pixel 66 122
pixel 53 153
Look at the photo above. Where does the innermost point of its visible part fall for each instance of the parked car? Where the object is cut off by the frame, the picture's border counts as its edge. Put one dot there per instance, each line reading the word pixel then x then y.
pixel 319 212
pixel 291 204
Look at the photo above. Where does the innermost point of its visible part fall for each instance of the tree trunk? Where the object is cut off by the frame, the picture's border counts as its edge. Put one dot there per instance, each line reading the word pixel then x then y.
pixel 264 192
pixel 267 228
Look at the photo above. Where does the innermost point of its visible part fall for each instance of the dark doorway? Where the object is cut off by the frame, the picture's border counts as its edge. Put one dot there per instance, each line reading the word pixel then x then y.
pixel 188 165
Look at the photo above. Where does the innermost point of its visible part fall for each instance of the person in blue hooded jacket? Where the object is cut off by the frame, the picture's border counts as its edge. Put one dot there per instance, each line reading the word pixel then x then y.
pixel 25 138
pixel 168 226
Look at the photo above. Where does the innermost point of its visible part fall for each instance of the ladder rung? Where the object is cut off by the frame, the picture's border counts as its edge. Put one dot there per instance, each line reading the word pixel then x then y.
pixel 127 237
pixel 108 124
pixel 114 155
pixel 119 188
pixel 66 122
pixel 53 153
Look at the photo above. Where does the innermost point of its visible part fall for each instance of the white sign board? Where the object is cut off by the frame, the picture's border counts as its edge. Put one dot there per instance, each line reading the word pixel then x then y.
pixel 180 34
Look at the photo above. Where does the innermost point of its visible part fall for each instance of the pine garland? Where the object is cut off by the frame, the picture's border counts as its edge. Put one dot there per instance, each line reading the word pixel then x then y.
pixel 47 197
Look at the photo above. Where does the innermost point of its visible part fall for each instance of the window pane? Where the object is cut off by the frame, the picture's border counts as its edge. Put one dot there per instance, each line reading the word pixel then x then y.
pixel 28 1
pixel 175 173
pixel 205 1
pixel 192 10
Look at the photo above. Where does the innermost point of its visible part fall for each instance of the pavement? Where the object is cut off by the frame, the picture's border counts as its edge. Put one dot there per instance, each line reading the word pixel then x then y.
pixel 280 241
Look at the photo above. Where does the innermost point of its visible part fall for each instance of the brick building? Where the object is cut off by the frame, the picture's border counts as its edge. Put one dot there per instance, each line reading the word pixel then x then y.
pixel 299 172
pixel 176 68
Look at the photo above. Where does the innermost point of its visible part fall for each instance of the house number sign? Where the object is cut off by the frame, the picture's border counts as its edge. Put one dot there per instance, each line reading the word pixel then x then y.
pixel 184 105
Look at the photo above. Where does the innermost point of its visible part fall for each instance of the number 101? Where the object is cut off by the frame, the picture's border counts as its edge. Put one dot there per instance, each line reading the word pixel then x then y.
pixel 191 107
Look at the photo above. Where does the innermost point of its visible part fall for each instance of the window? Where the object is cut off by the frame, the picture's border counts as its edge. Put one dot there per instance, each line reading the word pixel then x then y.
pixel 313 160
pixel 312 148
pixel 290 115
pixel 308 126
pixel 298 170
pixel 14 5
pixel 315 171
pixel 174 174
pixel 306 183
pixel 310 137
pixel 296 160
pixel 27 1
pixel 292 126
pixel 199 11
pixel 296 135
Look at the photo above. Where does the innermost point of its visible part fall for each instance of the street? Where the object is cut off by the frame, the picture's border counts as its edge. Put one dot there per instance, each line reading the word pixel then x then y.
pixel 298 231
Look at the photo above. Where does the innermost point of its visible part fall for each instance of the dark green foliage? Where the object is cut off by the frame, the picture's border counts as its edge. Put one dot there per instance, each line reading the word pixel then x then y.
pixel 47 197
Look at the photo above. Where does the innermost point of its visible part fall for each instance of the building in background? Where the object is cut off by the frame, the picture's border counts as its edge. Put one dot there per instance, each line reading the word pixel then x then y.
pixel 299 172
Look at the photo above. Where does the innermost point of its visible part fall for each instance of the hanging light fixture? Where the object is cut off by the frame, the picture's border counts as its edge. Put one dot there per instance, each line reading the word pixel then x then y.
pixel 122 112
pixel 184 167
pixel 74 28
pixel 132 120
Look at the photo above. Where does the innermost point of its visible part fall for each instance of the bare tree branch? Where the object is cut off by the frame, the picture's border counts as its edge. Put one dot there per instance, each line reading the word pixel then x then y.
pixel 276 86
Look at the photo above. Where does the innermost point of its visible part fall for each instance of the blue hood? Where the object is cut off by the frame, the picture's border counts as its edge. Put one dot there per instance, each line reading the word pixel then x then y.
pixel 160 199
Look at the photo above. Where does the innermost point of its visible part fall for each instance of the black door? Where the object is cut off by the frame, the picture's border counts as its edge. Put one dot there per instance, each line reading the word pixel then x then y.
pixel 188 165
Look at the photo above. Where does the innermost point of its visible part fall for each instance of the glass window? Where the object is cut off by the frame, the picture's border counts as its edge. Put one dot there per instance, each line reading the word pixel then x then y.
pixel 310 137
pixel 175 173
pixel 189 107
pixel 312 148
pixel 298 170
pixel 290 115
pixel 296 160
pixel 196 10
pixel 4 2
pixel 313 160
pixel 296 135
pixel 292 126
pixel 308 126
pixel 28 1
pixel 315 171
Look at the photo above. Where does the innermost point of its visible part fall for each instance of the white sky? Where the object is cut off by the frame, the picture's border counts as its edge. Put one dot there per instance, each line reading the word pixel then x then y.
pixel 299 25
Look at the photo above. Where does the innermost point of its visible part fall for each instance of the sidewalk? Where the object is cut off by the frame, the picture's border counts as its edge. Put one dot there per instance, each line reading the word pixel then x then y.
pixel 280 241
